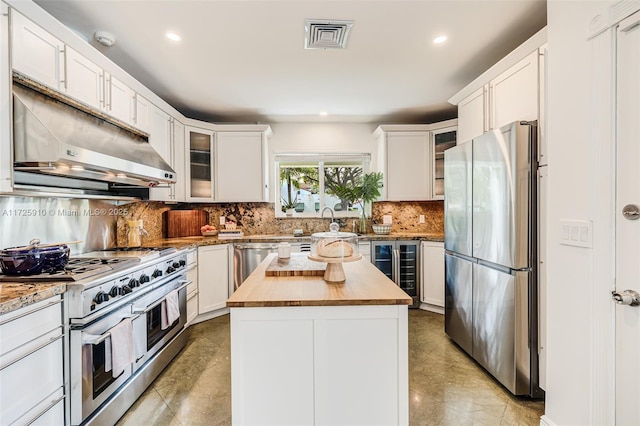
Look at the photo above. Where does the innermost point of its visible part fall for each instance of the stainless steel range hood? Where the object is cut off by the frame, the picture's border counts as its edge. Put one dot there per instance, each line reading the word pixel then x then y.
pixel 53 138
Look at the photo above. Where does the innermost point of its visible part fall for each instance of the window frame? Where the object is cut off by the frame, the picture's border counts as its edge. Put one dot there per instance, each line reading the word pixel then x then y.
pixel 320 159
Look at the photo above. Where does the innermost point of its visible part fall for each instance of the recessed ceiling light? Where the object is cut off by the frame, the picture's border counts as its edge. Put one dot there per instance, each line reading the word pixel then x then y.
pixel 440 39
pixel 173 36
pixel 323 113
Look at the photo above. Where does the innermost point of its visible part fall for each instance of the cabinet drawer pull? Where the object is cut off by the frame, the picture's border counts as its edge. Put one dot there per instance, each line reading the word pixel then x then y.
pixel 53 339
pixel 53 403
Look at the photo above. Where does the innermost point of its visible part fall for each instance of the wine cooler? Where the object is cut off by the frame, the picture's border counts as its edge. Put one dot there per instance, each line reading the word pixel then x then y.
pixel 399 260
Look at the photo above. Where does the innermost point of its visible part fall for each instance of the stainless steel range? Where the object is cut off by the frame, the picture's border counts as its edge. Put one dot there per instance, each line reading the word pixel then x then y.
pixel 135 289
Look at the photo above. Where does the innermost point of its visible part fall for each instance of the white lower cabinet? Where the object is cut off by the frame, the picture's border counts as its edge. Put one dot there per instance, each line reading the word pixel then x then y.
pixel 213 277
pixel 31 364
pixel 192 287
pixel 432 290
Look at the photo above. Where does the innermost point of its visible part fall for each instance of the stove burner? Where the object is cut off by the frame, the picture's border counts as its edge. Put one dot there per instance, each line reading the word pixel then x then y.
pixel 77 268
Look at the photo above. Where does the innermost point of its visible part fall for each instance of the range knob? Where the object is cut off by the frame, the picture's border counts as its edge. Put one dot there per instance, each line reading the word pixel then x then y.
pixel 183 262
pixel 114 292
pixel 144 278
pixel 126 289
pixel 100 297
pixel 176 265
pixel 133 283
pixel 170 269
pixel 157 273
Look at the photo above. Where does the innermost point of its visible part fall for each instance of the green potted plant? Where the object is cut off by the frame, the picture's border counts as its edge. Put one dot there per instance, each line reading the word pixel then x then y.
pixel 288 207
pixel 365 189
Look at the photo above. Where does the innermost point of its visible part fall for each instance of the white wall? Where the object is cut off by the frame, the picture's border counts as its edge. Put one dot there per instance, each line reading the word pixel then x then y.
pixel 578 146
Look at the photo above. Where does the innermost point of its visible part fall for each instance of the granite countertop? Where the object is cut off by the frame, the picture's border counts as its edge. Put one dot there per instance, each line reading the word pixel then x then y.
pixel 17 295
pixel 364 285
pixel 207 241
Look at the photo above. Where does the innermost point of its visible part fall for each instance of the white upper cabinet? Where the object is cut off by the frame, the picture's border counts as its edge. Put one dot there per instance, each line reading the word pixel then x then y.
pixel 441 140
pixel 404 160
pixel 179 152
pixel 35 52
pixel 241 166
pixel 41 57
pixel 162 140
pixel 199 164
pixel 142 113
pixel 513 95
pixel 472 116
pixel 6 144
pixel 118 99
pixel 511 90
pixel 411 159
pixel 84 79
pixel 93 86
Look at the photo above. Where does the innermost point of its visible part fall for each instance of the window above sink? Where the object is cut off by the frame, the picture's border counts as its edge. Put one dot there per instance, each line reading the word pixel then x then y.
pixel 306 183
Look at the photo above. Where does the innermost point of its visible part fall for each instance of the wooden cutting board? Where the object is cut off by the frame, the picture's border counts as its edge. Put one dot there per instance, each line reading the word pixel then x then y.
pixel 185 223
pixel 298 265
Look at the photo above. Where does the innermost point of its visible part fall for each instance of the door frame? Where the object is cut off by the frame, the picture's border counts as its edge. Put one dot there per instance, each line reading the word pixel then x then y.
pixel 602 39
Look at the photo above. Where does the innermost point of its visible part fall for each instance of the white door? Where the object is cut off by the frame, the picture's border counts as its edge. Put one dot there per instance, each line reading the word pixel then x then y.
pixel 628 227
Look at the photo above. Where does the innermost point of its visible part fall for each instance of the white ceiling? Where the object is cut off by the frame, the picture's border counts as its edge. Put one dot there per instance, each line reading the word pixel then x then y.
pixel 244 61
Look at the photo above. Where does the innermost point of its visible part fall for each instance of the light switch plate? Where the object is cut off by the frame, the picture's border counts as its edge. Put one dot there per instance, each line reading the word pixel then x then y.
pixel 578 233
pixel 223 220
pixel 387 219
pixel 421 220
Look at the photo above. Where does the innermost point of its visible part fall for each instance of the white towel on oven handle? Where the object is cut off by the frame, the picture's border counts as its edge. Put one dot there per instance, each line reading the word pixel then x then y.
pixel 170 309
pixel 121 336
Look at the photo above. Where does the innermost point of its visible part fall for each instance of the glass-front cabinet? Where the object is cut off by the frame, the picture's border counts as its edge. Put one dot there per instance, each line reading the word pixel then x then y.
pixel 200 173
pixel 399 261
pixel 441 140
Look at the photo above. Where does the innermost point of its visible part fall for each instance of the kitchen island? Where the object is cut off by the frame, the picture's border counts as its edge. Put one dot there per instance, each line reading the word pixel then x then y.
pixel 304 351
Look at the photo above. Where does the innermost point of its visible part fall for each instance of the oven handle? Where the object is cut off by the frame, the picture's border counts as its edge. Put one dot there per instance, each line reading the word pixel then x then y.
pixel 150 307
pixel 94 339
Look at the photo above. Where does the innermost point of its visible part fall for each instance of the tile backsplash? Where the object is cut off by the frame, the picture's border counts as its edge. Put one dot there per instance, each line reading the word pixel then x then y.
pixel 259 218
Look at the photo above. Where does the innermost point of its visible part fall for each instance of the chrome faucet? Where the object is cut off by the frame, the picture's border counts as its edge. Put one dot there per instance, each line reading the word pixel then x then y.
pixel 330 210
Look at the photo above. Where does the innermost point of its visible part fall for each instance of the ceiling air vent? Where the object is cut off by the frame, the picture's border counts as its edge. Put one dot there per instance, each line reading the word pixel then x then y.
pixel 326 33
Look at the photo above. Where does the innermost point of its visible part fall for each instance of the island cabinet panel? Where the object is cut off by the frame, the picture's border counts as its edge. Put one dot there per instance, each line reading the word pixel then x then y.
pixel 366 352
pixel 284 361
pixel 330 365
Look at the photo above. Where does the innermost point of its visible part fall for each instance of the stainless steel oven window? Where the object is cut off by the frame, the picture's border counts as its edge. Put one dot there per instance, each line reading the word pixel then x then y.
pixel 155 333
pixel 90 384
pixel 148 333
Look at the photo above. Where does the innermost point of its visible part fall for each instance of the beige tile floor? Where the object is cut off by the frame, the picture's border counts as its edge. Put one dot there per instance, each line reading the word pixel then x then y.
pixel 446 387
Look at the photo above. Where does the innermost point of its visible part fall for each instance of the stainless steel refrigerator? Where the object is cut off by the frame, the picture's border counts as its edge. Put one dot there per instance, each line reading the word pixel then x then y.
pixel 490 206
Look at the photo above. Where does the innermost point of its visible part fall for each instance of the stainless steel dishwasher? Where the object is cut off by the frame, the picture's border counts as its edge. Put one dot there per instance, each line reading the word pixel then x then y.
pixel 247 256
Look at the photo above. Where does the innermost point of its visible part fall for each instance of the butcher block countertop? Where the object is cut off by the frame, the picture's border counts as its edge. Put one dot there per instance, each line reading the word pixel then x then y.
pixel 17 295
pixel 364 285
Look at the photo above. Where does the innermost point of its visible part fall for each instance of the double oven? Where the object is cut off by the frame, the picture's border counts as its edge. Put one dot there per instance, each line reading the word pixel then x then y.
pixel 141 290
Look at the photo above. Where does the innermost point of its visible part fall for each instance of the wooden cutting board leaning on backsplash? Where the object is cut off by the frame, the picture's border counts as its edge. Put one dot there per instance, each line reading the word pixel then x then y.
pixel 185 223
